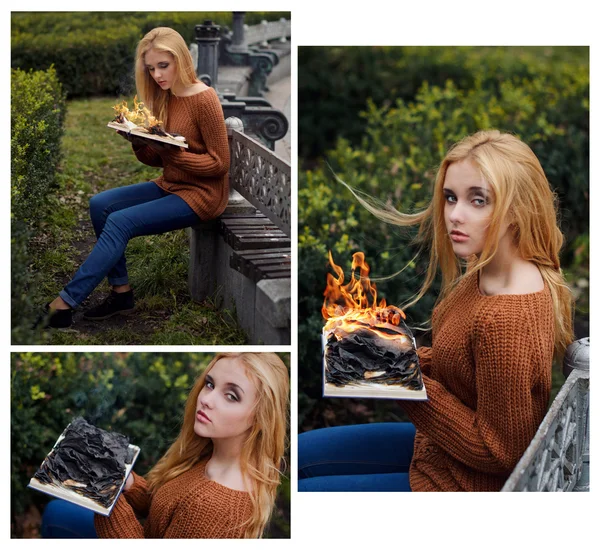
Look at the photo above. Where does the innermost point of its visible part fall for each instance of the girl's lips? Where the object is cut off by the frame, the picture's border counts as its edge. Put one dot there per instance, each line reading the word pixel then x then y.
pixel 201 417
pixel 458 237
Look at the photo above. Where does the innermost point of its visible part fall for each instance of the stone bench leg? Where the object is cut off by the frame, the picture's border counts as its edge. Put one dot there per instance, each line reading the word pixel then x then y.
pixel 202 280
pixel 272 323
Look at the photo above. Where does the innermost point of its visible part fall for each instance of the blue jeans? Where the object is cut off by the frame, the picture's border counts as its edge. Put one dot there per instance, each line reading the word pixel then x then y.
pixel 366 457
pixel 118 215
pixel 64 520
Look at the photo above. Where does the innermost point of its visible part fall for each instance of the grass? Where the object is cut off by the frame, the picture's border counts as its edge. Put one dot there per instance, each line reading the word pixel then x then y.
pixel 96 159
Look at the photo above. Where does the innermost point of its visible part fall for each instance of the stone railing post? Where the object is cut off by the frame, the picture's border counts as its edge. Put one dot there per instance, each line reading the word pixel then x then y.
pixel 265 29
pixel 207 36
pixel 239 36
pixel 577 358
pixel 237 203
pixel 282 38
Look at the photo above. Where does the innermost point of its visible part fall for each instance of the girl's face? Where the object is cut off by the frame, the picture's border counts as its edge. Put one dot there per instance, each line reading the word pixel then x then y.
pixel 161 66
pixel 225 404
pixel 468 208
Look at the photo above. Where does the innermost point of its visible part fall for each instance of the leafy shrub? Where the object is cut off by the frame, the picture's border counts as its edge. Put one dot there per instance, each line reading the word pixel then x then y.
pixel 37 114
pixel 334 83
pixel 37 119
pixel 396 161
pixel 94 51
pixel 141 395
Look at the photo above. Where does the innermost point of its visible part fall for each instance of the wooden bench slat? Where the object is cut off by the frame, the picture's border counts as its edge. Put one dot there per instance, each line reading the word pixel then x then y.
pixel 266 251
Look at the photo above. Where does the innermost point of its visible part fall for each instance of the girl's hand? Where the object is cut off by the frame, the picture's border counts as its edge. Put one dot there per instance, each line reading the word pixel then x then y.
pixel 134 140
pixel 161 147
pixel 129 482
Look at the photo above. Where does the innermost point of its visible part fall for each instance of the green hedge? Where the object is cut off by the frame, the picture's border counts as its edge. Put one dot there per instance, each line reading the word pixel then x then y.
pixel 334 83
pixel 396 160
pixel 93 52
pixel 37 120
pixel 141 395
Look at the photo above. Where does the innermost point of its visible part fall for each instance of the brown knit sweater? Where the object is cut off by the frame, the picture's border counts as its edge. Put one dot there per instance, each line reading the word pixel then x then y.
pixel 188 506
pixel 199 174
pixel 488 376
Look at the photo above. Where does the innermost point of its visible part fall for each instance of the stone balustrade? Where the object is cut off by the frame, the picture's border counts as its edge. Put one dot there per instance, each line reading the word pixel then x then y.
pixel 557 458
pixel 266 31
pixel 259 180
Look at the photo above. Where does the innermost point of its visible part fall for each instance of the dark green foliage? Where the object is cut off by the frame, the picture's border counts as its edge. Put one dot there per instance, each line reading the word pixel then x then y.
pixel 94 52
pixel 141 395
pixel 392 151
pixel 37 119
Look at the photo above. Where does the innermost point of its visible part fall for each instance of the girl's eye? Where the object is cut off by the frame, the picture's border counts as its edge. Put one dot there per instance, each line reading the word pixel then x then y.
pixel 451 199
pixel 210 385
pixel 479 202
pixel 232 397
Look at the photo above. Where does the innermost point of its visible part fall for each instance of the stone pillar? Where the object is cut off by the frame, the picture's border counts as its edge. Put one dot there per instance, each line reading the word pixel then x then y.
pixel 207 37
pixel 239 36
pixel 282 38
pixel 265 25
pixel 577 358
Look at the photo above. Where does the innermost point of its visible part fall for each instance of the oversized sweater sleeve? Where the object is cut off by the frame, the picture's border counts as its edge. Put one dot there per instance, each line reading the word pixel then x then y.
pixel 148 156
pixel 138 495
pixel 208 115
pixel 425 355
pixel 121 524
pixel 493 437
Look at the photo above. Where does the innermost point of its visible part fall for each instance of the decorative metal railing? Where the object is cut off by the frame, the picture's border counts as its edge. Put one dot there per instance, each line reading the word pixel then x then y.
pixel 260 176
pixel 557 458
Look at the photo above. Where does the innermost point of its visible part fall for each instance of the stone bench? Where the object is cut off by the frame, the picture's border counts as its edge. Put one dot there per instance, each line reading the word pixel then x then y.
pixel 558 457
pixel 242 260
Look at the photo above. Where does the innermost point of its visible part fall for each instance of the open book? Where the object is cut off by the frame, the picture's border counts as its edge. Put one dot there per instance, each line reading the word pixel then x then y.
pixel 140 131
pixel 62 463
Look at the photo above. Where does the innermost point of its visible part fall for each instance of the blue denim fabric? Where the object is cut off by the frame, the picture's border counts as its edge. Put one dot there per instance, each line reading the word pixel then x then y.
pixel 118 215
pixel 65 520
pixel 365 457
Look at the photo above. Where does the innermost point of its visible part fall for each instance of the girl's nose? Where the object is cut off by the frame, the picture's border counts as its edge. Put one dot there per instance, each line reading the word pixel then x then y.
pixel 457 214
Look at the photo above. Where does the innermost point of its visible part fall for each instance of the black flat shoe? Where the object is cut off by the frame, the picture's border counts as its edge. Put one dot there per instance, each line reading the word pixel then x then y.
pixel 117 303
pixel 59 318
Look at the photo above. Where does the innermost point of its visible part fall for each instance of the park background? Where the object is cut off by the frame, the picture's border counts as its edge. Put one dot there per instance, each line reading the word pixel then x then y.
pixel 141 395
pixel 383 118
pixel 68 71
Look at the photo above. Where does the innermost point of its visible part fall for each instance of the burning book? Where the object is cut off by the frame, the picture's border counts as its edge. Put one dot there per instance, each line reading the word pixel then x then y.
pixel 369 351
pixel 140 122
pixel 87 466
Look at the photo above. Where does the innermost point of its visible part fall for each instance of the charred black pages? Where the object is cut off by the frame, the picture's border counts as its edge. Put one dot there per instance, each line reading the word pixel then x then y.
pixel 382 354
pixel 88 460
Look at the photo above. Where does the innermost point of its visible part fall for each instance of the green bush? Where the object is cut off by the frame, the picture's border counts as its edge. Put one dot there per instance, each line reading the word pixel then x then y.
pixel 334 83
pixel 93 52
pixel 141 395
pixel 37 114
pixel 37 119
pixel 396 160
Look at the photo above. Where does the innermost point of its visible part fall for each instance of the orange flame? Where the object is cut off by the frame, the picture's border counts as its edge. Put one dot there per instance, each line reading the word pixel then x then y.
pixel 353 306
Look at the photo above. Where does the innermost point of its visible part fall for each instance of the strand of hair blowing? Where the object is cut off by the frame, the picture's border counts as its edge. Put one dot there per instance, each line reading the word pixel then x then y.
pixel 521 193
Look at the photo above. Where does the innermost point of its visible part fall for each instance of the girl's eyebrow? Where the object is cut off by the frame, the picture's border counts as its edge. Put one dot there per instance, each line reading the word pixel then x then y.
pixel 471 189
pixel 227 385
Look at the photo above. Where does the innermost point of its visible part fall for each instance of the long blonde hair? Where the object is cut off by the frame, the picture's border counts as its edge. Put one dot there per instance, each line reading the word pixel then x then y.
pixel 522 194
pixel 263 451
pixel 162 39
